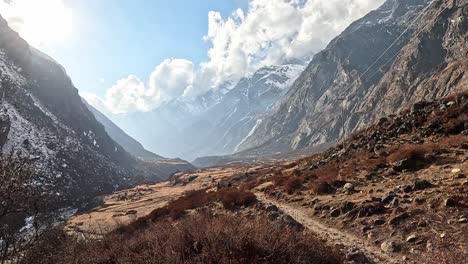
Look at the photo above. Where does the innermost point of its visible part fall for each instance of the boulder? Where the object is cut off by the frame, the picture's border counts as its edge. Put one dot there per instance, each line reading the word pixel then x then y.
pixel 399 218
pixel 422 184
pixel 449 202
pixel 335 212
pixel 388 198
pixel 348 187
pixel 390 247
pixel 272 208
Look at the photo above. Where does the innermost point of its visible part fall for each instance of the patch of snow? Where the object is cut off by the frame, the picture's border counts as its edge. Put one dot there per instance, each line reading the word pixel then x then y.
pixel 252 131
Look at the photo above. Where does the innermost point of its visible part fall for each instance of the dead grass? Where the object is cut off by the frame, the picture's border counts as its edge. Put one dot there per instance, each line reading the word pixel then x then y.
pixel 230 198
pixel 195 239
pixel 413 152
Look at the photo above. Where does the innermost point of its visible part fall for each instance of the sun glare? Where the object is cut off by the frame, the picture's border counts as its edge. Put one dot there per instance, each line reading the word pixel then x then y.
pixel 42 23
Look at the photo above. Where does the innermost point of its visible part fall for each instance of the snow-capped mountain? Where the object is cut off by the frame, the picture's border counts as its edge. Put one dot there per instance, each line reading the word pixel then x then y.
pixel 213 123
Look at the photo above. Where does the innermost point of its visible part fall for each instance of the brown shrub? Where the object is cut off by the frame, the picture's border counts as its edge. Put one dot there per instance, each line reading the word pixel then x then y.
pixel 197 239
pixel 293 184
pixel 232 198
pixel 322 187
pixel 414 152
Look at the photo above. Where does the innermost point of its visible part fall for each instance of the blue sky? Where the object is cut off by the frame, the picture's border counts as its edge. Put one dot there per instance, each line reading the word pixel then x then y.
pixel 112 39
pixel 130 56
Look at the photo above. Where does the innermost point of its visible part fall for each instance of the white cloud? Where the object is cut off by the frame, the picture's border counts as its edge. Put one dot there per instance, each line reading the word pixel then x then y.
pixel 169 80
pixel 43 23
pixel 271 32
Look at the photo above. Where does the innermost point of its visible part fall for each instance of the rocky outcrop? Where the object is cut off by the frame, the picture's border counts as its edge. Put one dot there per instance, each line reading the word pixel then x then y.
pixel 351 84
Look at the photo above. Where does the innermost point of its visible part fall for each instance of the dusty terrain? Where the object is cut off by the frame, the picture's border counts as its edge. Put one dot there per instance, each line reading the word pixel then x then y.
pixel 124 206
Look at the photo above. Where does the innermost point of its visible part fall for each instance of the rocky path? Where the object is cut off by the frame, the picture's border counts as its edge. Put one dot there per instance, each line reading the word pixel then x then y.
pixel 355 245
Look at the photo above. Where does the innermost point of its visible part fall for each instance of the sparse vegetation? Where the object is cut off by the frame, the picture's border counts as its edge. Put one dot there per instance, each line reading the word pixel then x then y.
pixel 25 209
pixel 195 239
pixel 230 198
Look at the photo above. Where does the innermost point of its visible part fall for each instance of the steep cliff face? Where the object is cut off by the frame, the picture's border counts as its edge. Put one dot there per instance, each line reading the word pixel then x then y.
pixel 127 142
pixel 44 121
pixel 358 78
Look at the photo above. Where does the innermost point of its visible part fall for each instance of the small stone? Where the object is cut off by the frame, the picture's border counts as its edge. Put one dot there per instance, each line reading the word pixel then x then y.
pixel 449 202
pixel 463 220
pixel 407 189
pixel 422 184
pixel 379 222
pixel 131 212
pixel 388 198
pixel 272 208
pixel 399 218
pixel 442 235
pixel 390 247
pixel 335 213
pixel 348 187
pixel 411 239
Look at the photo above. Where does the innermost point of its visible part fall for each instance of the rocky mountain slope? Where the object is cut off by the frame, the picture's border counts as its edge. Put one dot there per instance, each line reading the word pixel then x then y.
pixel 44 123
pixel 116 133
pixel 357 79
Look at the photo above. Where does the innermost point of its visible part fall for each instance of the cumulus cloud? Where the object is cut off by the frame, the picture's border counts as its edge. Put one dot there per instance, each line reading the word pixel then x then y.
pixel 271 32
pixel 169 80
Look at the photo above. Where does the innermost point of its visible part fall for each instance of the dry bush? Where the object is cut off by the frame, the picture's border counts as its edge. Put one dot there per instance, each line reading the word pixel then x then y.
pixel 198 239
pixel 21 198
pixel 293 184
pixel 232 198
pixel 414 152
pixel 229 197
pixel 322 187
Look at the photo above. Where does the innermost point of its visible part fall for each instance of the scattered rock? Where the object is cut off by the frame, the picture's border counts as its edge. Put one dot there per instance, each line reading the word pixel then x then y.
pixel 407 188
pixel 411 238
pixel 346 206
pixel 356 256
pixel 348 187
pixel 335 212
pixel 422 184
pixel 379 222
pixel 273 215
pixel 449 202
pixel 404 164
pixel 290 222
pixel 388 198
pixel 463 220
pixel 459 175
pixel 131 212
pixel 390 247
pixel 272 208
pixel 399 218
